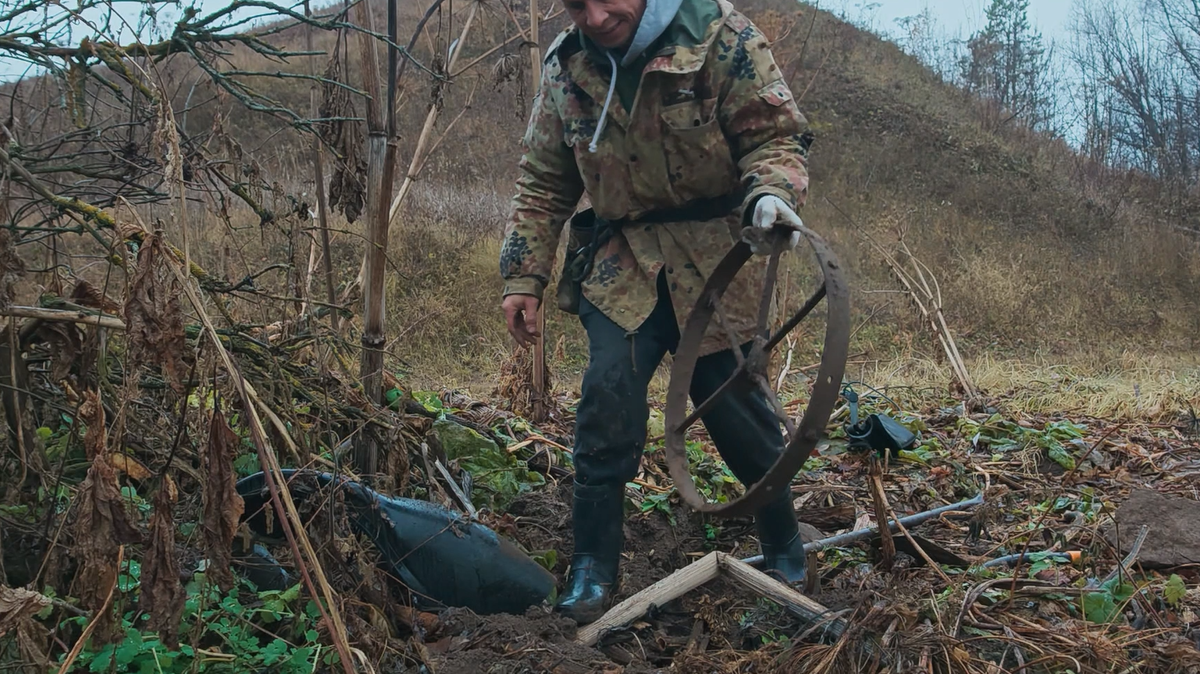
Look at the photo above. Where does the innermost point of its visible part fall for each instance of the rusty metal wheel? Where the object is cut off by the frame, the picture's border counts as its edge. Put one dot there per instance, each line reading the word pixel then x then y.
pixel 752 372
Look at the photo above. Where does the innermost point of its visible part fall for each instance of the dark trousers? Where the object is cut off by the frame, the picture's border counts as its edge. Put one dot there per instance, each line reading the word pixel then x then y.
pixel 610 426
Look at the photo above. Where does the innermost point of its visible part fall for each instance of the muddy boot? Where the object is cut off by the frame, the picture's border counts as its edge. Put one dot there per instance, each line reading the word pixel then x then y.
pixel 597 518
pixel 781 543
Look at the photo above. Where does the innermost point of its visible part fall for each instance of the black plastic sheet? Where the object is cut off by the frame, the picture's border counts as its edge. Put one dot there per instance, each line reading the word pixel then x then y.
pixel 441 556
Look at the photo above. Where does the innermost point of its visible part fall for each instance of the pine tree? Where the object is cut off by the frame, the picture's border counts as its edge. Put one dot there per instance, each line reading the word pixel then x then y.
pixel 1008 63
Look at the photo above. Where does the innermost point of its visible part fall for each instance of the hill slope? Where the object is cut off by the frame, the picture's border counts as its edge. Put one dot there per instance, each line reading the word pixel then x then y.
pixel 1035 250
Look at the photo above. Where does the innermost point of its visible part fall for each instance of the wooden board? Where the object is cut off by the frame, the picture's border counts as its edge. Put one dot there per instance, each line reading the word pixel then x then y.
pixel 802 607
pixel 672 587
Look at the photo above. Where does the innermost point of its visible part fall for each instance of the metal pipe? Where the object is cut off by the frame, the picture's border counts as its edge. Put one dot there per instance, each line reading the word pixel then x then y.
pixel 861 534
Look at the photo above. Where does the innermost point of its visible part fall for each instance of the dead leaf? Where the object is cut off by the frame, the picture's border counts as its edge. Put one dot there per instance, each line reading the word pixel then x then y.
pixel 153 317
pixel 162 593
pixel 66 343
pixel 101 527
pixel 12 267
pixel 17 604
pixel 223 506
pixel 87 295
pixel 123 463
pixel 91 413
pixel 31 640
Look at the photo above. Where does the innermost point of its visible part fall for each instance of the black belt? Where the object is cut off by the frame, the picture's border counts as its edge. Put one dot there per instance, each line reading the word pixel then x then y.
pixel 604 229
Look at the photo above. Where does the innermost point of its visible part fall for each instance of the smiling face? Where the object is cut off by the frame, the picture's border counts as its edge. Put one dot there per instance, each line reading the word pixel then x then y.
pixel 609 23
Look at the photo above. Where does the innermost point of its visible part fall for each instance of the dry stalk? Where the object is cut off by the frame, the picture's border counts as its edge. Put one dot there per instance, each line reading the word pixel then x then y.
pixel 879 500
pixel 421 152
pixel 319 184
pixel 539 345
pixel 289 518
pixel 91 626
pixel 928 299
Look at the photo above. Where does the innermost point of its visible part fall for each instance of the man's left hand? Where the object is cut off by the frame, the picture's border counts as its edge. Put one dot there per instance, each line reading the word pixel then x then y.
pixel 771 221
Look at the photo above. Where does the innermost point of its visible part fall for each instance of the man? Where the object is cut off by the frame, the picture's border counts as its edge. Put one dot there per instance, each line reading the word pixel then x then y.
pixel 673 118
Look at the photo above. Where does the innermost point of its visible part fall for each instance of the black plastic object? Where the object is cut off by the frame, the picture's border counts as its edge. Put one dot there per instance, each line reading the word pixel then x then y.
pixel 445 559
pixel 880 433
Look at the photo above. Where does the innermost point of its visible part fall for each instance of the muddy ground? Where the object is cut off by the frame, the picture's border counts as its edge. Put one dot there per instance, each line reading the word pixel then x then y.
pixel 716 626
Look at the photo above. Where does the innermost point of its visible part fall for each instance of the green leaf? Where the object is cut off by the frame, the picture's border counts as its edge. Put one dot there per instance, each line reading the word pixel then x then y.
pixel 246 464
pixel 311 636
pixel 312 610
pixel 1175 590
pixel 1098 607
pixel 291 594
pixel 301 657
pixel 129 648
pixel 103 659
pixel 546 558
pixel 1120 592
pixel 1061 456
pixel 273 651
pixel 430 400
pixel 914 456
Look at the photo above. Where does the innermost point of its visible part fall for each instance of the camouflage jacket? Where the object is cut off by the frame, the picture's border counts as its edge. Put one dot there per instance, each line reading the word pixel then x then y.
pixel 707 120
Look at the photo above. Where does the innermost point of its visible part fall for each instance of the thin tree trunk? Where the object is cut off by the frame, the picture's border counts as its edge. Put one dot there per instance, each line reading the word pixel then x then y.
pixel 381 162
pixel 319 179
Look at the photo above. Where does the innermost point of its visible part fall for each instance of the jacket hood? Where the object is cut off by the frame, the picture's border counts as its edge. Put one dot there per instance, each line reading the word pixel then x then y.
pixel 658 15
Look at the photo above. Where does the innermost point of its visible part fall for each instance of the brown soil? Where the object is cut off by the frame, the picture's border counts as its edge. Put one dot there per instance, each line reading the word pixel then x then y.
pixel 539 641
pixel 715 626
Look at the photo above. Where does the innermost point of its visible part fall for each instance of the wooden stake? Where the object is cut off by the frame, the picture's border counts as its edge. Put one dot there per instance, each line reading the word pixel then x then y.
pixel 887 545
pixel 802 607
pixel 539 347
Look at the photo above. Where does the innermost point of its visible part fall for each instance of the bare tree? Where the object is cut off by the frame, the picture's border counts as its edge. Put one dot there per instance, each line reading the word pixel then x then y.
pixel 1138 87
pixel 923 37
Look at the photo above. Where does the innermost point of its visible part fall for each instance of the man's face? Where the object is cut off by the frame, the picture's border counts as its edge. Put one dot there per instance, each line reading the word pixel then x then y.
pixel 609 23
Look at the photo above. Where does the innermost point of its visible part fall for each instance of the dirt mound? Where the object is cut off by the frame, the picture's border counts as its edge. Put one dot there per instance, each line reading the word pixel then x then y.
pixel 655 543
pixel 539 641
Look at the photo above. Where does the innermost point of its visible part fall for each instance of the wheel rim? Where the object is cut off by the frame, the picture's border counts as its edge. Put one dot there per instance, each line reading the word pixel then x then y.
pixel 801 439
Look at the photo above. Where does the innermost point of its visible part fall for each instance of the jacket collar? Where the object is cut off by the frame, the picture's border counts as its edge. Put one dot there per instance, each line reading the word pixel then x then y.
pixel 674 59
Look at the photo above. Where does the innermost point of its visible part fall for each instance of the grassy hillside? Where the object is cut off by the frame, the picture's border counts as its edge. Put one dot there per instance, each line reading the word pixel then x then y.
pixel 1038 254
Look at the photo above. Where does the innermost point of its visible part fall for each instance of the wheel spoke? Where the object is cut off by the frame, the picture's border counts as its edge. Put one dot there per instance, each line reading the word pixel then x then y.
pixel 733 340
pixel 795 320
pixel 764 307
pixel 709 402
pixel 777 406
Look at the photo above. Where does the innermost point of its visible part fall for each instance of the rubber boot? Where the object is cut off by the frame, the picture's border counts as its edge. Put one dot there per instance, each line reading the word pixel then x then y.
pixel 780 541
pixel 597 518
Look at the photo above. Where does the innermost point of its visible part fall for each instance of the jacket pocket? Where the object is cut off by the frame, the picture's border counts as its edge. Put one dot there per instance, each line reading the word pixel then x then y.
pixel 699 164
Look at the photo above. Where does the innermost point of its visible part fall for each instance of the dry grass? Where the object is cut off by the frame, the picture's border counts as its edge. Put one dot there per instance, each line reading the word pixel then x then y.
pixel 1134 386
pixel 1044 261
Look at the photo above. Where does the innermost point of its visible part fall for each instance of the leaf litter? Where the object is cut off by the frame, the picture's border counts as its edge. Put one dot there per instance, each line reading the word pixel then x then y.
pixel 1052 484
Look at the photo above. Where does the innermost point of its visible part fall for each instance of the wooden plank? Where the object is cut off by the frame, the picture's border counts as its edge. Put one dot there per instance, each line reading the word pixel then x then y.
pixel 776 591
pixel 672 587
pixel 804 608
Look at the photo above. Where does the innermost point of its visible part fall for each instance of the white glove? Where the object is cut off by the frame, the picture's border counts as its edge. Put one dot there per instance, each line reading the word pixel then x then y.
pixel 771 215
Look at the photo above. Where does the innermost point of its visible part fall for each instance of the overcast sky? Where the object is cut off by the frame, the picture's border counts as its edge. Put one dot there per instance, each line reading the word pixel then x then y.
pixel 957 17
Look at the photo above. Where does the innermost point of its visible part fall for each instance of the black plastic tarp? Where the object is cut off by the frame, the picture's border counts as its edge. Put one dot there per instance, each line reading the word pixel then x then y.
pixel 441 556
